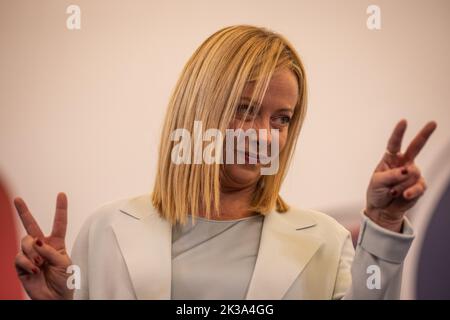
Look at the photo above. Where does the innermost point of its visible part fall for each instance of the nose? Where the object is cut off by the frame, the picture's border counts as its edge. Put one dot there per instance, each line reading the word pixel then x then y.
pixel 263 129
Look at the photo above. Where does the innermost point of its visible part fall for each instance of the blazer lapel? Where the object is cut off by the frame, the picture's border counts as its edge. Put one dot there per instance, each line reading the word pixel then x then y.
pixel 145 243
pixel 285 249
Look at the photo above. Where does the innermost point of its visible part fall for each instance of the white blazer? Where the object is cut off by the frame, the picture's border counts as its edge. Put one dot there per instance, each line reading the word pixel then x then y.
pixel 124 252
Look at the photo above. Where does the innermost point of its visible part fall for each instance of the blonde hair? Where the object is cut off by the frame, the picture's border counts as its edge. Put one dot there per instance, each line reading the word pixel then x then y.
pixel 209 90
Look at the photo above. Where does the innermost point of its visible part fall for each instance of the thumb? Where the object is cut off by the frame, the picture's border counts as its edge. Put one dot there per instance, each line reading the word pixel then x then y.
pixel 49 253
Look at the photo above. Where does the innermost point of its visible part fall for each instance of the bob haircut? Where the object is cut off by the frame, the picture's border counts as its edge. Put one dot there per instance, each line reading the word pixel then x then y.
pixel 209 90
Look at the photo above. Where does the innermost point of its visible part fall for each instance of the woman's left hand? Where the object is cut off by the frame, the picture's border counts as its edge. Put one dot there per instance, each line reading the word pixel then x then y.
pixel 397 183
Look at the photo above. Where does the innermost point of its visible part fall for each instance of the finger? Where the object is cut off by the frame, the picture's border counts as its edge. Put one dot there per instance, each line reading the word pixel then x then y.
pixel 60 220
pixel 24 265
pixel 414 191
pixel 413 176
pixel 395 141
pixel 391 177
pixel 30 225
pixel 419 141
pixel 49 253
pixel 30 252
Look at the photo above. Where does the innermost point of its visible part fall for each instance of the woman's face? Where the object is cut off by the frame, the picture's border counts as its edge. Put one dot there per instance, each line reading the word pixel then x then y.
pixel 275 113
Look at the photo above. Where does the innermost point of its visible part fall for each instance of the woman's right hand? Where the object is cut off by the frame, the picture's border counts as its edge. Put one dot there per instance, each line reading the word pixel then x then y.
pixel 42 263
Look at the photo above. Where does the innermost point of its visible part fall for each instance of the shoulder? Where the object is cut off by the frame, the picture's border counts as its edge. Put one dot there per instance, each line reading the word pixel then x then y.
pixel 134 207
pixel 98 228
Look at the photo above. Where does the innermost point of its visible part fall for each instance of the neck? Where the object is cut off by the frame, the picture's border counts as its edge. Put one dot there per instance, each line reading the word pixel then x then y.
pixel 234 204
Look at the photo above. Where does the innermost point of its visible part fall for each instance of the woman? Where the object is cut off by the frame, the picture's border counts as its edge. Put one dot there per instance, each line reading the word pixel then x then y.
pixel 220 230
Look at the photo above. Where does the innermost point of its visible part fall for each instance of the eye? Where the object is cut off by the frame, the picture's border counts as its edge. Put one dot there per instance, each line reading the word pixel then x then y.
pixel 282 120
pixel 243 109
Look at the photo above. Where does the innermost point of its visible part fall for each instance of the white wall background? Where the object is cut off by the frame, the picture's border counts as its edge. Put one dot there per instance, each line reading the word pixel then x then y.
pixel 81 111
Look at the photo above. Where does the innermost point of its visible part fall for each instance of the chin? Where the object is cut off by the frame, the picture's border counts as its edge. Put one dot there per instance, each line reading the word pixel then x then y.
pixel 243 173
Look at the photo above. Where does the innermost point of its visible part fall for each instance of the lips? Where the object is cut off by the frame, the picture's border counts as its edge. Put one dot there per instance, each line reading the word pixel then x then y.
pixel 249 156
pixel 253 158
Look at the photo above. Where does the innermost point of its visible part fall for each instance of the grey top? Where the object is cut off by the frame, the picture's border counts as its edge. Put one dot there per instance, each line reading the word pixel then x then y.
pixel 214 259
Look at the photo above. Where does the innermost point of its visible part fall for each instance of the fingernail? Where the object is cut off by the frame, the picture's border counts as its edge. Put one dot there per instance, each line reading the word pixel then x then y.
pixel 394 192
pixel 39 242
pixel 404 171
pixel 35 270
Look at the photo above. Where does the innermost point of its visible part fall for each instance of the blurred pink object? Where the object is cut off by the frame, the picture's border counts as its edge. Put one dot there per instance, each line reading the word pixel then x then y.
pixel 10 287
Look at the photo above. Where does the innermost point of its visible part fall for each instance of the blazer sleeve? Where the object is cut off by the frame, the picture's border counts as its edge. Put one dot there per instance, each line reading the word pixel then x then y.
pixel 374 270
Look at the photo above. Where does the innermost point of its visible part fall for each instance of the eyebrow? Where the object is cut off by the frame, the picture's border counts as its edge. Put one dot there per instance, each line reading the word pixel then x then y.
pixel 282 109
